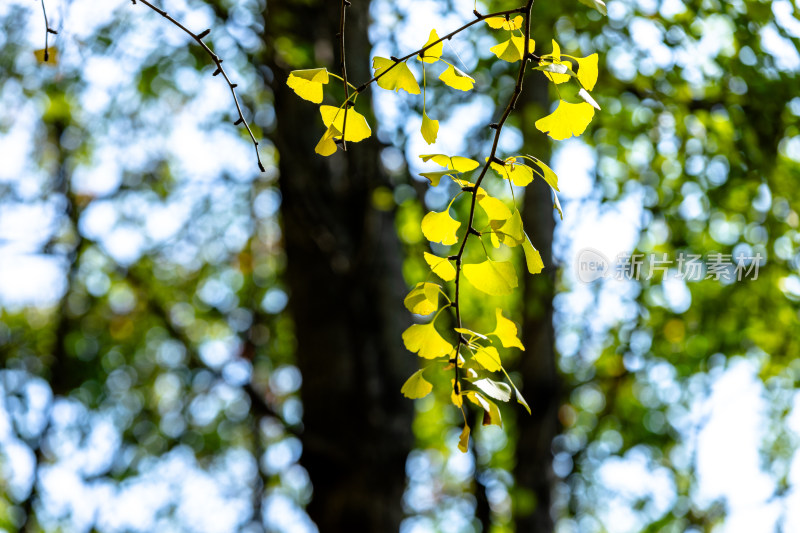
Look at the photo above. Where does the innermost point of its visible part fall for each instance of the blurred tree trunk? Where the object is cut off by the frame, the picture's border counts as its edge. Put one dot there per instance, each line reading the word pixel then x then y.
pixel 344 277
pixel 542 388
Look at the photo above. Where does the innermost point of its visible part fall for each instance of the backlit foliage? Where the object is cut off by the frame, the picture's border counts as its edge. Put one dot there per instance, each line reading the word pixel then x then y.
pixel 472 356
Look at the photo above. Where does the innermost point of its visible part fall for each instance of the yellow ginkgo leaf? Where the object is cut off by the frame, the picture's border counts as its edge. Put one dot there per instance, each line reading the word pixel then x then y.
pixel 423 299
pixel 426 341
pixel 455 397
pixel 357 127
pixel 533 259
pixel 495 209
pixel 519 174
pixel 435 176
pixel 508 232
pixel 463 439
pixel 47 55
pixel 547 173
pixel 440 227
pixel 440 266
pixel 432 54
pixel 327 145
pixel 492 277
pixel 488 358
pixel 430 128
pixel 512 49
pixel 506 331
pixel 308 83
pixel 555 59
pixel 587 71
pixel 497 23
pixel 491 413
pixel 454 162
pixel 457 79
pixel 567 120
pixel 416 386
pixel 399 77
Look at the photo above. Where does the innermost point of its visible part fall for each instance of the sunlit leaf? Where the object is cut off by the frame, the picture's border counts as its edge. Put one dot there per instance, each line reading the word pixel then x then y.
pixel 489 358
pixel 519 174
pixel 435 175
pixel 506 331
pixel 491 411
pixel 430 128
pixel 556 68
pixel 440 227
pixel 519 396
pixel 463 439
pixel 399 77
pixel 432 54
pixel 567 120
pixel 326 145
pixel 555 59
pixel 423 299
pixel 546 173
pixel 512 49
pixel 599 5
pixel 587 71
pixel 533 259
pixel 457 79
pixel 307 84
pixel 509 232
pixel 426 341
pixel 454 162
pixel 416 386
pixel 440 266
pixel 495 209
pixel 455 394
pixel 494 389
pixel 471 334
pixel 497 23
pixel 492 277
pixel 586 97
pixel 357 127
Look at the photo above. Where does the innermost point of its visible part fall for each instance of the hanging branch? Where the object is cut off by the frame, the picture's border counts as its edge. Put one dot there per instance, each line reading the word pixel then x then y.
pixel 47 31
pixel 343 63
pixel 219 70
pixel 498 127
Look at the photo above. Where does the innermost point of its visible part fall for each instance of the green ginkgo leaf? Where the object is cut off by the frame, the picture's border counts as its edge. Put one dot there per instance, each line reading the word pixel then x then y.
pixel 399 77
pixel 497 278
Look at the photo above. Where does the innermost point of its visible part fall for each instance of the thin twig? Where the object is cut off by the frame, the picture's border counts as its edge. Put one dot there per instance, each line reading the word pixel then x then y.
pixel 47 31
pixel 343 63
pixel 218 62
pixel 498 126
pixel 478 18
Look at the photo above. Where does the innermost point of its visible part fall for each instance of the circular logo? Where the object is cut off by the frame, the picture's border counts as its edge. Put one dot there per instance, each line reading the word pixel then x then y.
pixel 590 265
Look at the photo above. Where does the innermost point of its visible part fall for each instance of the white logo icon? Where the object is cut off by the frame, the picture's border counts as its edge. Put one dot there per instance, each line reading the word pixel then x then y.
pixel 591 265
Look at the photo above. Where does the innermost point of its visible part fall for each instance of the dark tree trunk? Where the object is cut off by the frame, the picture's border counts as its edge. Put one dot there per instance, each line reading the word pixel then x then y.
pixel 344 277
pixel 534 473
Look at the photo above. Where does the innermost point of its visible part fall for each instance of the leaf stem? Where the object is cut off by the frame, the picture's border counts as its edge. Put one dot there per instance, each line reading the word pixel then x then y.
pixel 498 126
pixel 343 65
